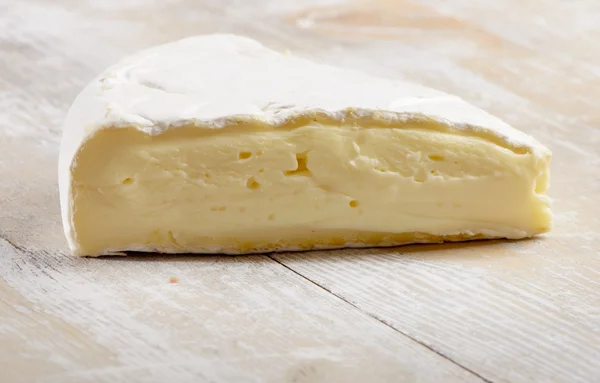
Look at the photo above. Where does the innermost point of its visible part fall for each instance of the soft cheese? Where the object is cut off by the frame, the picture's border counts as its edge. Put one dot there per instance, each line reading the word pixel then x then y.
pixel 218 144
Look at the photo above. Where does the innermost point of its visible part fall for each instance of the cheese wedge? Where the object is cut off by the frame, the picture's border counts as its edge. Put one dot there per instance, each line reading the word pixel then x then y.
pixel 216 144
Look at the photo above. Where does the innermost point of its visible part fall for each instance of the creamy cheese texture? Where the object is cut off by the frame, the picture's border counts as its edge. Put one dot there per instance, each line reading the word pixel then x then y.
pixel 217 144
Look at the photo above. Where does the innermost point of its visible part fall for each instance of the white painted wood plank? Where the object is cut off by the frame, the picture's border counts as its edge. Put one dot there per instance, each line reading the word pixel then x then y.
pixel 507 311
pixel 228 319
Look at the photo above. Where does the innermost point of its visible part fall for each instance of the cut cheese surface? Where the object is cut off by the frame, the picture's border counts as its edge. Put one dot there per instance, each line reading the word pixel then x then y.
pixel 216 144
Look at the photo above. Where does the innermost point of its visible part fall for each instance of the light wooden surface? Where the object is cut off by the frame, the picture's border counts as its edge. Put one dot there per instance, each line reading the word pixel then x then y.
pixel 525 311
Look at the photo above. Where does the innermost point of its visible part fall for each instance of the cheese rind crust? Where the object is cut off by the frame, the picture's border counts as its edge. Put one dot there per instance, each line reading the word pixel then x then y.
pixel 215 144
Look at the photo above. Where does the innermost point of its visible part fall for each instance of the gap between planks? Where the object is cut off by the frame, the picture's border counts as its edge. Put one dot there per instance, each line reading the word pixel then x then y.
pixel 400 332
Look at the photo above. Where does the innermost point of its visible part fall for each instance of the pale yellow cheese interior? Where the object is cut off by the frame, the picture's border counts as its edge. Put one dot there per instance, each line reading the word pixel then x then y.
pixel 252 188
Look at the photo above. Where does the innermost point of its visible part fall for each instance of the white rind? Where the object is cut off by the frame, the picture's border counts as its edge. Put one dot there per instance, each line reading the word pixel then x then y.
pixel 213 81
pixel 489 234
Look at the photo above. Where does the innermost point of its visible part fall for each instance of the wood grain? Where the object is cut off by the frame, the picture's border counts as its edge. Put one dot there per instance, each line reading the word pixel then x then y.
pixel 525 311
pixel 243 319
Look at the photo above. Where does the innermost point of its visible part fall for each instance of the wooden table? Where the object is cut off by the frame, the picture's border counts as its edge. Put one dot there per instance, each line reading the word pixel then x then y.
pixel 526 311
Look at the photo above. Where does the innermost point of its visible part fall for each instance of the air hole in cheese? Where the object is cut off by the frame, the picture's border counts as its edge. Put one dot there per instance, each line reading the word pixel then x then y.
pixel 252 183
pixel 301 166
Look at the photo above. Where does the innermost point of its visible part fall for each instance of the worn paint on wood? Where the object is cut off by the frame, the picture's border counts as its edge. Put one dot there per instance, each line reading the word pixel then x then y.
pixel 490 311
